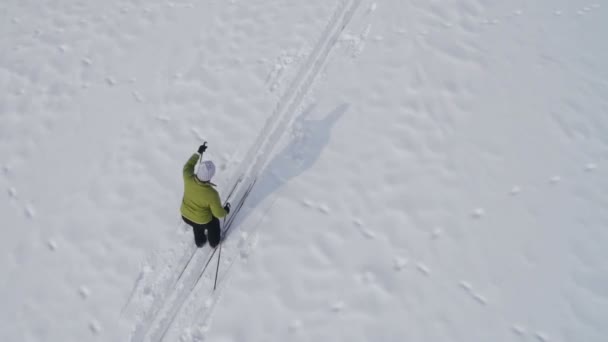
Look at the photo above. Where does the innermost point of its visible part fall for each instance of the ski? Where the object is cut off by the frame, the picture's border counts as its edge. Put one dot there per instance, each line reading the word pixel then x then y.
pixel 225 230
pixel 142 331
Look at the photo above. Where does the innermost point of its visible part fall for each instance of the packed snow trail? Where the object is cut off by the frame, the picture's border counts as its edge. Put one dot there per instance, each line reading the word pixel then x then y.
pixel 287 106
pixel 276 126
pixel 185 285
pixel 178 305
pixel 163 286
pixel 159 323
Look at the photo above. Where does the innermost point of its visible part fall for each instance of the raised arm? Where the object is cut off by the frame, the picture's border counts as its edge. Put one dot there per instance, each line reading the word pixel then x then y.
pixel 189 167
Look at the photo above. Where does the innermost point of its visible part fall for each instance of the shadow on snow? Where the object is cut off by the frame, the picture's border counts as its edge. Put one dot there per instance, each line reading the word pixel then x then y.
pixel 309 139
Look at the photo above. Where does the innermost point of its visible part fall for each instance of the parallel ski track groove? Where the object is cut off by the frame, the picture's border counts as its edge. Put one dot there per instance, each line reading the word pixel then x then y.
pixel 284 113
pixel 209 258
pixel 259 152
pixel 346 16
pixel 189 284
pixel 185 285
pixel 141 331
pixel 291 98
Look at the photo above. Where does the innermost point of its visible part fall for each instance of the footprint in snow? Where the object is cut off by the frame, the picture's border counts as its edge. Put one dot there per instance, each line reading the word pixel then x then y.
pixel 111 81
pixel 372 8
pixel 541 336
pixel 52 244
pixel 307 203
pixel 521 331
pixel 478 213
pixel 242 240
pixel 295 325
pixel 400 263
pixel 84 292
pixel 422 268
pixel 368 277
pixel 95 327
pixel 515 190
pixel 30 213
pixel 12 193
pixel 368 234
pixel 324 209
pixel 518 329
pixel 466 286
pixel 199 335
pixel 480 299
pixel 436 233
pixel 138 97
pixel 337 306
pixel 590 167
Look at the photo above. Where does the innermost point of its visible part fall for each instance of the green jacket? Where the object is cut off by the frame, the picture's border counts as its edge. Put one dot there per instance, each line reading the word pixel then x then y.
pixel 201 201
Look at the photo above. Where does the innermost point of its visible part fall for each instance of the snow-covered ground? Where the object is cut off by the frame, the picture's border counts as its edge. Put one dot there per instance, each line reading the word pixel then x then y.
pixel 427 170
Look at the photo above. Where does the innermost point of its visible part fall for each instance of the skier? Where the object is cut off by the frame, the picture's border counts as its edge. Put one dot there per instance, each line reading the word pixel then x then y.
pixel 201 206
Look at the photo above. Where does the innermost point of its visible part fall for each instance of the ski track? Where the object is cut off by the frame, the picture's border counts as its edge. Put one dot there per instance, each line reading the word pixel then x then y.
pixel 287 105
pixel 177 306
pixel 140 281
pixel 146 319
pixel 159 327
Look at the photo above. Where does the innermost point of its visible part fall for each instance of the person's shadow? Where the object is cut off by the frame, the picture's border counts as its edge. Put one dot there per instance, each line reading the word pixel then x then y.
pixel 309 139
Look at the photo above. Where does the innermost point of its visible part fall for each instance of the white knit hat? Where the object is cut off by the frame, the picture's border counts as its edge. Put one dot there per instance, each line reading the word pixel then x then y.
pixel 205 171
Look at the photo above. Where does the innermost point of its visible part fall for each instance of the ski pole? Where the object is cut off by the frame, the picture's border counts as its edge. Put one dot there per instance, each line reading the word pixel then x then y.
pixel 217 269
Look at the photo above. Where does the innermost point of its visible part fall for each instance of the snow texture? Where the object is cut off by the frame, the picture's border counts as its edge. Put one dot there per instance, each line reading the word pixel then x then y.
pixel 424 171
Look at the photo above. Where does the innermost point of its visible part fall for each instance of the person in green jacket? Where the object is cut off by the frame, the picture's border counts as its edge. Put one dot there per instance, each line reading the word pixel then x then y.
pixel 201 206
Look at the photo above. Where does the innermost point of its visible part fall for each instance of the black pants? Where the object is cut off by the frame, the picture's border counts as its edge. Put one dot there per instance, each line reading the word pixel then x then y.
pixel 213 232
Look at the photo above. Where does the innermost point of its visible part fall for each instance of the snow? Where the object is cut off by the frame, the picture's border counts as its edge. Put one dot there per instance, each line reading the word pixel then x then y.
pixel 431 171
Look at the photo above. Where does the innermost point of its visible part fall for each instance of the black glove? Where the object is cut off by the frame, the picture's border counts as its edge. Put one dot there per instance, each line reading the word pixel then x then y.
pixel 227 208
pixel 202 148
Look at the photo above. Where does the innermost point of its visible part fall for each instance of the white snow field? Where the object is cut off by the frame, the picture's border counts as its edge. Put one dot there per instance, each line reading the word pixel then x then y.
pixel 422 170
